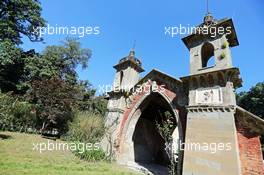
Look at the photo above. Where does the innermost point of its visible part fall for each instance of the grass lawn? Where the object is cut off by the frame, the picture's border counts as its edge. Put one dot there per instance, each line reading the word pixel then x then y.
pixel 18 157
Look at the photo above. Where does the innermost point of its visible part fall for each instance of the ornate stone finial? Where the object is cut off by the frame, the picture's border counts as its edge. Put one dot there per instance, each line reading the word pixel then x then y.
pixel 208 19
pixel 132 53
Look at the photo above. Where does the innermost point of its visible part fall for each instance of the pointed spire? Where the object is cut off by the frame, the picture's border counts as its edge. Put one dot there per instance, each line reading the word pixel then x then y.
pixel 207 6
pixel 132 53
pixel 208 19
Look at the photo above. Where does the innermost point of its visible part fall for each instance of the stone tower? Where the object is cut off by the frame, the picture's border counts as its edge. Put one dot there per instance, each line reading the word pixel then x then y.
pixel 211 145
pixel 127 72
pixel 127 75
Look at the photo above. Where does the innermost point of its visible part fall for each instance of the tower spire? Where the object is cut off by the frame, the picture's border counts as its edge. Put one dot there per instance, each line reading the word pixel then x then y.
pixel 208 19
pixel 132 51
pixel 207 7
pixel 134 45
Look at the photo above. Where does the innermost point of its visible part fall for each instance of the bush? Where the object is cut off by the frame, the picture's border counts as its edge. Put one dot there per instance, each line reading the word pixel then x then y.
pixel 87 127
pixel 92 155
pixel 54 98
pixel 16 115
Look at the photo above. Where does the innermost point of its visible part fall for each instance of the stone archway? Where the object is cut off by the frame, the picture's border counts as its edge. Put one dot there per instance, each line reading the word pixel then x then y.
pixel 140 142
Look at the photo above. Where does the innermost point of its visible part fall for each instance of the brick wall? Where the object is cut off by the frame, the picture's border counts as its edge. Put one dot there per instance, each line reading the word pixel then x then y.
pixel 249 151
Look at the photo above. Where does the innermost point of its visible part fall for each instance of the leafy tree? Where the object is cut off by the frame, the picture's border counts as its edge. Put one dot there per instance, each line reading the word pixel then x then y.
pixel 88 101
pixel 20 17
pixel 58 61
pixel 14 64
pixel 11 66
pixel 54 99
pixel 253 100
pixel 29 71
pixel 17 67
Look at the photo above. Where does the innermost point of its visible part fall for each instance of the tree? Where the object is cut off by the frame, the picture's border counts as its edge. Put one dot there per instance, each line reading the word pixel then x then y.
pixel 11 66
pixel 88 101
pixel 253 100
pixel 60 61
pixel 17 67
pixel 19 18
pixel 50 80
pixel 54 99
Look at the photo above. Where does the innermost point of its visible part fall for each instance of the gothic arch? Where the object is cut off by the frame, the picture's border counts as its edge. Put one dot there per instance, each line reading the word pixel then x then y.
pixel 127 150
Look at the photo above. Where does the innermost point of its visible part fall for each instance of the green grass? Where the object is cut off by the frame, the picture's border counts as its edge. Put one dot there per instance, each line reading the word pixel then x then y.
pixel 18 157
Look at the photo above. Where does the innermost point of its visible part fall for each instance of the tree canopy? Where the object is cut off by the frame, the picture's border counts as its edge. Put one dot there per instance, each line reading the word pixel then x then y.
pixel 18 18
pixel 253 100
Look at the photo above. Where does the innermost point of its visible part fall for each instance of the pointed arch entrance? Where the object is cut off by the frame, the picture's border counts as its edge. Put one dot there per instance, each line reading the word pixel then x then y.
pixel 140 142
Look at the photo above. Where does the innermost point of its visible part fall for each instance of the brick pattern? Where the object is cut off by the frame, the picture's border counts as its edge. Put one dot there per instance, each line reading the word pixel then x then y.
pixel 249 151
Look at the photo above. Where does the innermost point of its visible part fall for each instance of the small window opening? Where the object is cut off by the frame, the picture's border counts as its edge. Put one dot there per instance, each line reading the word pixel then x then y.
pixel 121 78
pixel 208 59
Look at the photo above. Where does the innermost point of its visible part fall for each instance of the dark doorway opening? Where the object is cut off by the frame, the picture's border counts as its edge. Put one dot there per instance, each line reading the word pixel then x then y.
pixel 149 146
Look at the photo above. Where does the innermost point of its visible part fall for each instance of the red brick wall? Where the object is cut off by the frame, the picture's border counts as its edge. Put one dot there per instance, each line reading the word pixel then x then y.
pixel 249 151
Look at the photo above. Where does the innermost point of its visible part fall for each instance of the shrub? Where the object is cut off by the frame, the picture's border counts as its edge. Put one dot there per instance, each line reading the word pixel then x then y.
pixel 15 114
pixel 86 127
pixel 223 55
pixel 54 98
pixel 225 45
pixel 91 155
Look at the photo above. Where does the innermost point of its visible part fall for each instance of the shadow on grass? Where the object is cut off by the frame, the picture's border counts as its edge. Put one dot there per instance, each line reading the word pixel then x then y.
pixel 4 137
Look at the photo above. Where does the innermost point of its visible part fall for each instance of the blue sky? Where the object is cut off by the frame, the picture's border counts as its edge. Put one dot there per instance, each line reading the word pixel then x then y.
pixel 123 21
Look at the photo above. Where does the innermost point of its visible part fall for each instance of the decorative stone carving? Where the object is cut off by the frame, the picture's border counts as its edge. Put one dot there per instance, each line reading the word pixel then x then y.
pixel 209 96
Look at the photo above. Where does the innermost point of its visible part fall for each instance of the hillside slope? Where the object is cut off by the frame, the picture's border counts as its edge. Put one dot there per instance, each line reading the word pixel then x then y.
pixel 18 157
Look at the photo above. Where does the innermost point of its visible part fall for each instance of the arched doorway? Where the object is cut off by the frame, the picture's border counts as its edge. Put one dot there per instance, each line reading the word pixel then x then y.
pixel 142 143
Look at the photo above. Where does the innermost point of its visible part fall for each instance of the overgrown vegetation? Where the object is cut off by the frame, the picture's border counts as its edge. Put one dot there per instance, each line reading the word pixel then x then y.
pixel 165 127
pixel 88 128
pixel 49 82
pixel 40 92
pixel 16 115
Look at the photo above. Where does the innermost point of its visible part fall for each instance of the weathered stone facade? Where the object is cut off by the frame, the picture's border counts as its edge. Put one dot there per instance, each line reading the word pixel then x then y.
pixel 204 108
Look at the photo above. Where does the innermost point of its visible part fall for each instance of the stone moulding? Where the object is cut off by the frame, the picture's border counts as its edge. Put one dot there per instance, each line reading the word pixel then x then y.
pixel 202 109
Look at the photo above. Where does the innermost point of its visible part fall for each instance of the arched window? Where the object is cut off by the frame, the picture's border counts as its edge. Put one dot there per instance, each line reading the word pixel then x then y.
pixel 207 55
